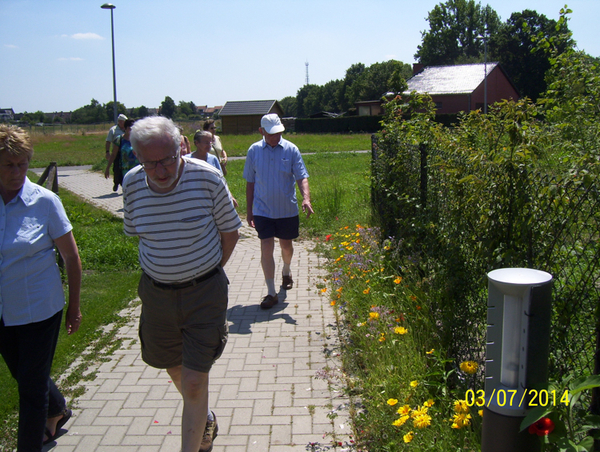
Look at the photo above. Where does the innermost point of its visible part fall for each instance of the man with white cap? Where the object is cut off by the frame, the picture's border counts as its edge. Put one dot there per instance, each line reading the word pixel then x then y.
pixel 273 167
pixel 113 138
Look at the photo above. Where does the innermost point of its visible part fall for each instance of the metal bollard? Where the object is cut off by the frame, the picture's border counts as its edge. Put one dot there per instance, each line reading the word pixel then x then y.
pixel 518 337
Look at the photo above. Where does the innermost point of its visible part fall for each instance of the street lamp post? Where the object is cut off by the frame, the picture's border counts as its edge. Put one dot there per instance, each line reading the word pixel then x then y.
pixel 484 38
pixel 112 31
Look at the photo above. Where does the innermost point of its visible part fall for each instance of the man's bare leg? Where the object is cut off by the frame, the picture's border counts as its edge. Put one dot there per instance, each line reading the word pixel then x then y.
pixel 193 386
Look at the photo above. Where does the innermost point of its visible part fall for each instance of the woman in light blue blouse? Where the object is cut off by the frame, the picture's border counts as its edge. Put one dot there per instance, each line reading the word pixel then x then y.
pixel 32 222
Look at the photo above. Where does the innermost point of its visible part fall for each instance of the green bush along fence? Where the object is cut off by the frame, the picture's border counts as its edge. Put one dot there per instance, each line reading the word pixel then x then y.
pixel 456 216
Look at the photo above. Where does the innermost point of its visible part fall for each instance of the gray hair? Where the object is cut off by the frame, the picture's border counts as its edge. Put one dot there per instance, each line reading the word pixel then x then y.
pixel 201 133
pixel 151 128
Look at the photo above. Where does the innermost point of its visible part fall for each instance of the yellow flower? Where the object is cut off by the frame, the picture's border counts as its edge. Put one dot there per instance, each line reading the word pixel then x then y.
pixel 400 421
pixel 422 421
pixel 429 403
pixel 374 315
pixel 461 420
pixel 461 406
pixel 408 437
pixel 332 303
pixel 324 290
pixel 339 290
pixel 414 384
pixel 430 351
pixel 382 337
pixel 367 290
pixel 400 330
pixel 469 367
pixel 419 412
pixel 392 402
pixel 404 410
pixel 480 413
pixel 398 280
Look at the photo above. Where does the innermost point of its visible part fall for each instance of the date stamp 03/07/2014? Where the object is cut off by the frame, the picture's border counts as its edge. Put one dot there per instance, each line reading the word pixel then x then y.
pixel 507 398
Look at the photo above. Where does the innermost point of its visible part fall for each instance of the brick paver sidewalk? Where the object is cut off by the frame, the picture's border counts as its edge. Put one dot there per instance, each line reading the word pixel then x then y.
pixel 264 389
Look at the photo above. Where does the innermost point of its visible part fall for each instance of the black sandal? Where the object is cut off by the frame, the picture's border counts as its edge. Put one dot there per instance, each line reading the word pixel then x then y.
pixel 66 415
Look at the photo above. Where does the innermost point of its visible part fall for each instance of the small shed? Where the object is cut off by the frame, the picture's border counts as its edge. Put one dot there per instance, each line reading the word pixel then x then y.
pixel 243 117
pixel 462 87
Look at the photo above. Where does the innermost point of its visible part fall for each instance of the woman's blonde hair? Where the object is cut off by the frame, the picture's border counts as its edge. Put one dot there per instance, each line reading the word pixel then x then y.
pixel 15 141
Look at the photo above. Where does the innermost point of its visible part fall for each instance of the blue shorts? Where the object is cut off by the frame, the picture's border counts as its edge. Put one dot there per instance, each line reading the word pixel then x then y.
pixel 282 228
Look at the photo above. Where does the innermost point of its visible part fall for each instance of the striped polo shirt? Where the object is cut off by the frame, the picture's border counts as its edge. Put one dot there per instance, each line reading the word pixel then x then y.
pixel 274 172
pixel 179 230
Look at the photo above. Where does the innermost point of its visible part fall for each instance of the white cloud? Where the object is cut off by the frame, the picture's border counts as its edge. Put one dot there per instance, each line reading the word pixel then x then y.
pixel 86 36
pixel 10 46
pixel 70 59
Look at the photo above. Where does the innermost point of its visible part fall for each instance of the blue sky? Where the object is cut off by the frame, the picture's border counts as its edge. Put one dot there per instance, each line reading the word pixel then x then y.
pixel 55 55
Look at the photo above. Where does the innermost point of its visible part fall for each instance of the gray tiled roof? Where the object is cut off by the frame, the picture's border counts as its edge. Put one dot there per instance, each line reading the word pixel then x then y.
pixel 459 79
pixel 247 107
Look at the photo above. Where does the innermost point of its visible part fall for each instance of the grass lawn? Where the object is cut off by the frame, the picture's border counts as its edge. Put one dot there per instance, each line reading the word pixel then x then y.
pixel 88 149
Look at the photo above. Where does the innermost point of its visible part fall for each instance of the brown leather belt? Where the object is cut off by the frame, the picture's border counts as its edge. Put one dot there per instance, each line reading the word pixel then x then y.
pixel 186 284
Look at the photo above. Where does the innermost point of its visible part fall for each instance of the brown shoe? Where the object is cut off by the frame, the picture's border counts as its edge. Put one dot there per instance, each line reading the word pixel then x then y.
pixel 288 282
pixel 269 301
pixel 210 433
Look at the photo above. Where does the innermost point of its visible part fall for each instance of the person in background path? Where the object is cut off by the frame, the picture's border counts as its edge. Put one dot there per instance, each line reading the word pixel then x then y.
pixel 180 209
pixel 111 138
pixel 203 143
pixel 273 167
pixel 122 151
pixel 32 223
pixel 217 148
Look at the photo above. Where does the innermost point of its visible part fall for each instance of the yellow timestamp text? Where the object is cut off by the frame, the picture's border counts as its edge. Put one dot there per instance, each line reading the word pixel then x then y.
pixel 507 397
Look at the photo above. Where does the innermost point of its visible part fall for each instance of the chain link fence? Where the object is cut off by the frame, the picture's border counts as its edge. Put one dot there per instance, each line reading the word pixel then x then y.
pixel 455 226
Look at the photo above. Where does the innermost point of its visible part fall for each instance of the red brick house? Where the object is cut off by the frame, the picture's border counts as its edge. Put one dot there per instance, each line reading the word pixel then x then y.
pixel 462 87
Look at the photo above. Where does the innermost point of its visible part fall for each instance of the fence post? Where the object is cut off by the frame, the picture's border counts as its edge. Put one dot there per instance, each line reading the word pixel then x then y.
pixel 423 151
pixel 49 178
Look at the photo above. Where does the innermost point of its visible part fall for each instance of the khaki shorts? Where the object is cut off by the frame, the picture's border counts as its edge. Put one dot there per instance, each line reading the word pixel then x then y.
pixel 184 326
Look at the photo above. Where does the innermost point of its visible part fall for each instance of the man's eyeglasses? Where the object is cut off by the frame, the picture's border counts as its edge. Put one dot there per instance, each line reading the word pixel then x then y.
pixel 167 161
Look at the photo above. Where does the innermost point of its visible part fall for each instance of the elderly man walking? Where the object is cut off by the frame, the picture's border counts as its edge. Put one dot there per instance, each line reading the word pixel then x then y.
pixel 273 168
pixel 182 213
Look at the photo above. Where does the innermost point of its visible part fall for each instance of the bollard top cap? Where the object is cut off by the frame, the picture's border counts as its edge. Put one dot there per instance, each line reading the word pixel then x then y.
pixel 520 276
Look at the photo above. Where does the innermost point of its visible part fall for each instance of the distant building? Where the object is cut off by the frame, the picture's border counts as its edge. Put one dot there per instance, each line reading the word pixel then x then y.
pixel 7 114
pixel 369 108
pixel 243 117
pixel 462 87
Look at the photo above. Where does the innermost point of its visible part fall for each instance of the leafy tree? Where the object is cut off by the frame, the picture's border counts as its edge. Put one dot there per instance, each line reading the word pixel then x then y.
pixel 361 83
pixel 186 108
pixel 344 97
pixel 289 106
pixel 308 100
pixel 379 78
pixel 110 112
pixel 143 112
pixel 167 107
pixel 571 103
pixel 89 114
pixel 514 46
pixel 453 30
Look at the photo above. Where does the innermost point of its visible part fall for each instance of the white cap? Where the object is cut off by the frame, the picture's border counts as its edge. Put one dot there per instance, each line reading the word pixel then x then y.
pixel 271 124
pixel 122 117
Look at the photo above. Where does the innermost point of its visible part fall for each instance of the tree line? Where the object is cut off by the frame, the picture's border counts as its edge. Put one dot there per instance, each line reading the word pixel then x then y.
pixel 460 32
